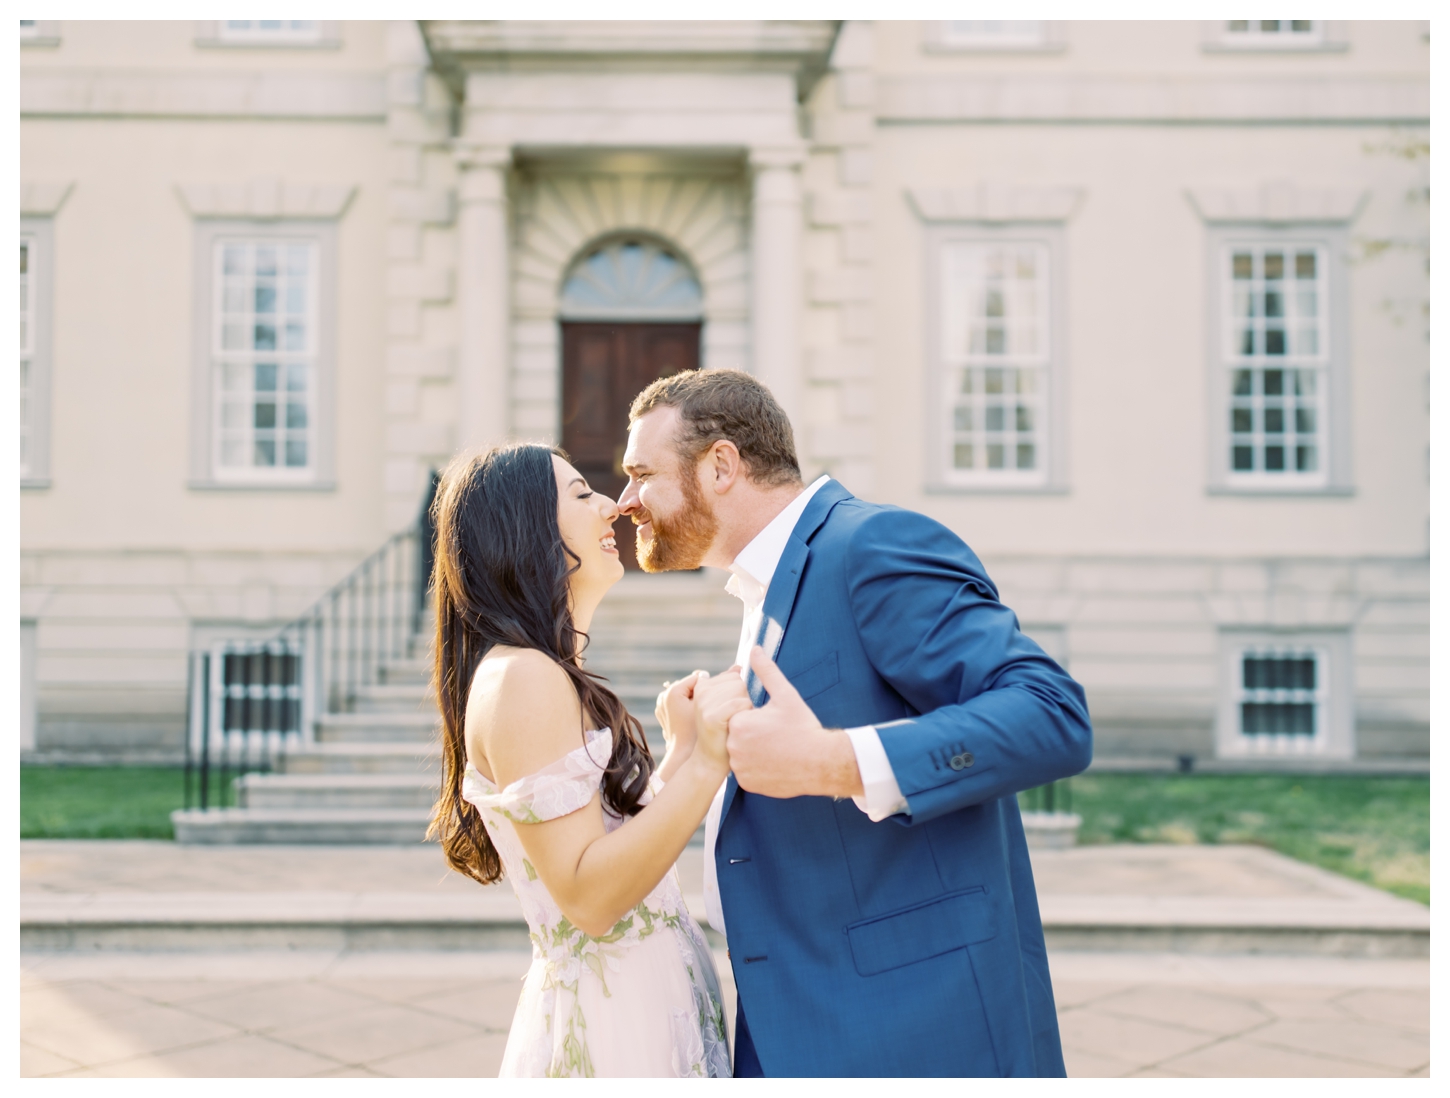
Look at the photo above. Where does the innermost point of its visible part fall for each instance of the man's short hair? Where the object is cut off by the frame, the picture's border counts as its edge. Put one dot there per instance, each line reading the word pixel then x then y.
pixel 729 405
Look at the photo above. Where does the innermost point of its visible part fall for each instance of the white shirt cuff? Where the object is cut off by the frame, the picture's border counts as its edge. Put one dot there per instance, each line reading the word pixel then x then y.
pixel 883 796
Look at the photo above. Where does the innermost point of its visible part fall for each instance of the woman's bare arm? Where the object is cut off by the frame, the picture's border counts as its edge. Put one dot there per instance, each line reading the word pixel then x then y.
pixel 523 714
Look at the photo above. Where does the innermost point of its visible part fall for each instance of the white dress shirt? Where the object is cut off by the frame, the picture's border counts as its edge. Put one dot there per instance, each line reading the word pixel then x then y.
pixel 750 576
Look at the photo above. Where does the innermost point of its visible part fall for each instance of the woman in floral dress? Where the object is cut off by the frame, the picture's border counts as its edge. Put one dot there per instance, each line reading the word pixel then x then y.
pixel 547 778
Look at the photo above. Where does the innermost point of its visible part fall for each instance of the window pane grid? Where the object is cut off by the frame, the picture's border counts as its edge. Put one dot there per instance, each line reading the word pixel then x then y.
pixel 27 347
pixel 1280 699
pixel 996 343
pixel 264 356
pixel 270 30
pixel 1276 336
pixel 1273 28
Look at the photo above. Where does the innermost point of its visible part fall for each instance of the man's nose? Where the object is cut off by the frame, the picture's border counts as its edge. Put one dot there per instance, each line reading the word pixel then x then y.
pixel 629 499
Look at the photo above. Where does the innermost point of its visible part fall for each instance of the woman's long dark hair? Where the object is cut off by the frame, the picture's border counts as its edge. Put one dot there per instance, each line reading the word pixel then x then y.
pixel 501 576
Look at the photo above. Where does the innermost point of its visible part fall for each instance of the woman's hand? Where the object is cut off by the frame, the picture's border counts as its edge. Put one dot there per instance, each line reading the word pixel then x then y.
pixel 717 699
pixel 675 710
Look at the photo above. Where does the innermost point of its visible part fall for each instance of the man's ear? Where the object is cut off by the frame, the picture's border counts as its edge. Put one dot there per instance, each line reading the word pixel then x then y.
pixel 724 465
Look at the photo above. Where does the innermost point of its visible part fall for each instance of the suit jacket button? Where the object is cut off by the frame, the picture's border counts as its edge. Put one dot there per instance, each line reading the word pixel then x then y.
pixel 958 763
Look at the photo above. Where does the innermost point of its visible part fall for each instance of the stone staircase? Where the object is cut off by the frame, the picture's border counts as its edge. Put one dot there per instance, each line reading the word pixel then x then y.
pixel 651 629
pixel 371 774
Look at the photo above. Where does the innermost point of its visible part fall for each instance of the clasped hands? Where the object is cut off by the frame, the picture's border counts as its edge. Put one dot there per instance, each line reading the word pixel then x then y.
pixel 778 750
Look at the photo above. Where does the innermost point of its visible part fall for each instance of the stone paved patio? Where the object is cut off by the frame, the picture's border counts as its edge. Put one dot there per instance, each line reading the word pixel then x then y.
pixel 433 1013
pixel 442 1014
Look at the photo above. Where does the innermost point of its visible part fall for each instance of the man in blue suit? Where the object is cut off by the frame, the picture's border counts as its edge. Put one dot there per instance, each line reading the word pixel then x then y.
pixel 866 857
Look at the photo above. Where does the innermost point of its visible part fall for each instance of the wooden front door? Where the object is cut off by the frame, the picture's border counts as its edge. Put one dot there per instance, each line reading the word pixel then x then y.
pixel 605 367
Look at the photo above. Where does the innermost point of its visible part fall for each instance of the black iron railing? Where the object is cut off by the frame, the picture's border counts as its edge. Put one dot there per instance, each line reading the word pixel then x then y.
pixel 248 701
pixel 1052 797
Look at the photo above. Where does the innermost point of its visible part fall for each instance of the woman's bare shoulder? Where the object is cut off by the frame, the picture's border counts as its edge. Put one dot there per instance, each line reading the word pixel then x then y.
pixel 523 712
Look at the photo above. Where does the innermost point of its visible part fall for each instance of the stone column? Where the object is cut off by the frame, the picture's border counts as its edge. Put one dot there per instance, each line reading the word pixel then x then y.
pixel 483 295
pixel 775 276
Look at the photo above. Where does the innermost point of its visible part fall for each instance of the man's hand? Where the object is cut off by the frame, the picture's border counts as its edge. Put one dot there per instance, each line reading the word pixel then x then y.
pixel 781 749
pixel 716 700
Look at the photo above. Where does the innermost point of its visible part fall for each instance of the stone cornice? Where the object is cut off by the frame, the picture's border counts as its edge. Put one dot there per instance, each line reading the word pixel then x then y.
pixel 1277 202
pixel 744 38
pixel 995 203
pixel 43 199
pixel 266 199
pixel 1030 97
pixel 203 94
pixel 761 157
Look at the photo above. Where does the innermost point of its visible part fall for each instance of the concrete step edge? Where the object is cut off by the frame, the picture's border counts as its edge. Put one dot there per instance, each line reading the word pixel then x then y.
pixel 364 747
pixel 402 717
pixel 221 816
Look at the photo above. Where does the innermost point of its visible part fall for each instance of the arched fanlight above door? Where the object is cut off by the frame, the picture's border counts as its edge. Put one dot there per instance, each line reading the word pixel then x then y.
pixel 630 278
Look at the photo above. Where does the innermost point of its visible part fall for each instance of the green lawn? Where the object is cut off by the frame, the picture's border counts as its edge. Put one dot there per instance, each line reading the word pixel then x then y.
pixel 98 802
pixel 1375 830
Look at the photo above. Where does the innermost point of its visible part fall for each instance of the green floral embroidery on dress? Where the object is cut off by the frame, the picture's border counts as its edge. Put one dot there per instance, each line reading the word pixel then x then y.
pixel 519 814
pixel 565 957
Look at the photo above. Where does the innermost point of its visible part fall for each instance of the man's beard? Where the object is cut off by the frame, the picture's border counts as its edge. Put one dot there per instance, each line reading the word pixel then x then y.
pixel 680 541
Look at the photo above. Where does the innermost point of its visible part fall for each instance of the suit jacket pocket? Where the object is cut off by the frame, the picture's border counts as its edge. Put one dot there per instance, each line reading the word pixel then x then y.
pixel 817 678
pixel 924 930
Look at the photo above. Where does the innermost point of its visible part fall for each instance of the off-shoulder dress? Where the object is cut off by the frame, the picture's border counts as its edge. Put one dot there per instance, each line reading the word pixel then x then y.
pixel 642 1000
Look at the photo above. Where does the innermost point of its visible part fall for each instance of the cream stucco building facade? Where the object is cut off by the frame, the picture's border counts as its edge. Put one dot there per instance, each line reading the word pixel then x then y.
pixel 1133 307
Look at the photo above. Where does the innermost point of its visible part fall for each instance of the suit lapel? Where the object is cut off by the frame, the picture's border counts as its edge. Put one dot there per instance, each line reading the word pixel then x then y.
pixel 780 597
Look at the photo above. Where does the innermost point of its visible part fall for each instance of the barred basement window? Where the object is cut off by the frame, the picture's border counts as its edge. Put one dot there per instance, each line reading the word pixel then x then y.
pixel 1281 699
pixel 1277 358
pixel 995 351
pixel 260 691
pixel 264 354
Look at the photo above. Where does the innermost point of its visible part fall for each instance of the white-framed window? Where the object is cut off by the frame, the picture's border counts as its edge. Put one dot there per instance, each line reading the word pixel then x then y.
pixel 1273 35
pixel 262 404
pixel 34 361
pixel 1279 376
pixel 305 34
pixel 264 357
pixel 1278 344
pixel 269 30
pixel 27 346
pixel 1272 32
pixel 1286 695
pixel 39 32
pixel 996 345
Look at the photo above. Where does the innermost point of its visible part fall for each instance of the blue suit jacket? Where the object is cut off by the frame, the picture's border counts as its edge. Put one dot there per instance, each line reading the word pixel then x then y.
pixel 912 946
